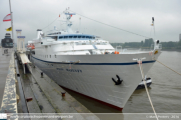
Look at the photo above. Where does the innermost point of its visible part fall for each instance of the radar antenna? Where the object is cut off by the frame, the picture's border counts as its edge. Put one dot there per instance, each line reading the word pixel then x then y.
pixel 68 17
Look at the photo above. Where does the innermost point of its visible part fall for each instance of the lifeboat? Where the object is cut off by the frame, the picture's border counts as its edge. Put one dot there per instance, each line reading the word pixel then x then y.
pixel 31 46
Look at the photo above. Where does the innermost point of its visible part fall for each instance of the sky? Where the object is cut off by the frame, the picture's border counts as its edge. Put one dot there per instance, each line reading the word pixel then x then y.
pixel 130 15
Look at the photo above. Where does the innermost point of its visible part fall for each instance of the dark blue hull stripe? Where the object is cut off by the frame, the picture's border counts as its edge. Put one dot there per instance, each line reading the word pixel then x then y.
pixel 130 63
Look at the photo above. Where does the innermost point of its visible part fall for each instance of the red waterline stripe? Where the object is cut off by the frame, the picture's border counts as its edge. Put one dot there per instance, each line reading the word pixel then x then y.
pixel 108 104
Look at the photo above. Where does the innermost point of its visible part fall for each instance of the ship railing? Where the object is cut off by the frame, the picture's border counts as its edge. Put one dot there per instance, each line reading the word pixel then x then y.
pixel 118 48
pixel 157 46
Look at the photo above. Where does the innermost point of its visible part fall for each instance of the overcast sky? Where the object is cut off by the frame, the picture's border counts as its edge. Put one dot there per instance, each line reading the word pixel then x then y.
pixel 130 15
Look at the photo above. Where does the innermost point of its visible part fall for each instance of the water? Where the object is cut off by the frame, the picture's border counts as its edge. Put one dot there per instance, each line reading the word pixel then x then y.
pixel 165 90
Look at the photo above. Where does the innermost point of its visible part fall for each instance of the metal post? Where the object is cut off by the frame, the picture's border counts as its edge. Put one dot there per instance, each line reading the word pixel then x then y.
pixel 63 93
pixel 24 68
pixel 19 44
pixel 23 46
pixel 41 74
pixel 79 24
pixel 11 19
pixel 154 29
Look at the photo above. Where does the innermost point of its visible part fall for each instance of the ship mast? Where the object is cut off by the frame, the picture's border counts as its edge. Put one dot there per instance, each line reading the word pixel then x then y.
pixel 68 22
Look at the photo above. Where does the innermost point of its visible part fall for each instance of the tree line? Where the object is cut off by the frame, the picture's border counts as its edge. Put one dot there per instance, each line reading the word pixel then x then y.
pixel 148 43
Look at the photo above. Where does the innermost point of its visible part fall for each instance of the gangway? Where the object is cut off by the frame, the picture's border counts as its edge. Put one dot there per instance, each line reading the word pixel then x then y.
pixel 21 52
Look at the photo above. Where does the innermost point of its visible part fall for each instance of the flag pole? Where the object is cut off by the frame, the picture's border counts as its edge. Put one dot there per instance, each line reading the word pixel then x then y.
pixel 11 19
pixel 153 22
pixel 154 30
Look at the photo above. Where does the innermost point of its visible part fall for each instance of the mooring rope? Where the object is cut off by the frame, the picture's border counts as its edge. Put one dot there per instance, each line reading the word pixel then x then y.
pixel 168 67
pixel 53 21
pixel 111 25
pixel 141 69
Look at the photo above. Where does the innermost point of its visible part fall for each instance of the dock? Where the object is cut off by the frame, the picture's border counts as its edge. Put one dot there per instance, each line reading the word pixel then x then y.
pixel 33 92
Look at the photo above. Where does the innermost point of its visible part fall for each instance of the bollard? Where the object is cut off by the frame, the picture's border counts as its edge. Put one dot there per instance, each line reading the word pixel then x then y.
pixel 42 74
pixel 29 99
pixel 63 94
pixel 18 75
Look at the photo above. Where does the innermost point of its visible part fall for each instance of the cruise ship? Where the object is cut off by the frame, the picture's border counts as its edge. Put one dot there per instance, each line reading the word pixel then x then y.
pixel 90 65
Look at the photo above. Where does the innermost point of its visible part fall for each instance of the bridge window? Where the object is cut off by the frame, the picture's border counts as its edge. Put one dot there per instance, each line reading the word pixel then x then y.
pixel 7 36
pixel 83 36
pixel 70 36
pixel 60 37
pixel 79 36
pixel 65 37
pixel 87 37
pixel 75 36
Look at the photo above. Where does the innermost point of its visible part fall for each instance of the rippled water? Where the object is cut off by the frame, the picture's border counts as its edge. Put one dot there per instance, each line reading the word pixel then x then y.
pixel 165 90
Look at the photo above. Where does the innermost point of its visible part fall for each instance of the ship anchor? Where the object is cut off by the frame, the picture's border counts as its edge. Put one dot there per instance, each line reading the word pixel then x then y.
pixel 118 82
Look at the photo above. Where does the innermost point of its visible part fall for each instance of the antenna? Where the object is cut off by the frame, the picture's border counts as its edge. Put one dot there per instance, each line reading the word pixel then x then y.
pixel 79 23
pixel 68 17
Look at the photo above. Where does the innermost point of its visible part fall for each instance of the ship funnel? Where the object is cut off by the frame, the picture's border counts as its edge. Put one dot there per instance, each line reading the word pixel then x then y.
pixel 39 34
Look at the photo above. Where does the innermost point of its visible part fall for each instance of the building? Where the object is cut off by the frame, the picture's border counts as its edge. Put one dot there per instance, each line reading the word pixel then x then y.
pixel 7 42
pixel 148 42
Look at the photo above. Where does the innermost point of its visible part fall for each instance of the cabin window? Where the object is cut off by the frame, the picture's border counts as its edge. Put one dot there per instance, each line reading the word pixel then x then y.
pixel 90 37
pixel 65 37
pixel 60 37
pixel 7 36
pixel 70 36
pixel 75 36
pixel 87 36
pixel 93 37
pixel 83 36
pixel 79 36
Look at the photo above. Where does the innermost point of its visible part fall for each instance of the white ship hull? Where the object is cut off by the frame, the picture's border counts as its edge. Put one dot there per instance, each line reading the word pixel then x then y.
pixel 89 64
pixel 92 76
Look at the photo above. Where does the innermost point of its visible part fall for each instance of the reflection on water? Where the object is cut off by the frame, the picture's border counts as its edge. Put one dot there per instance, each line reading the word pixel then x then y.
pixel 165 90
